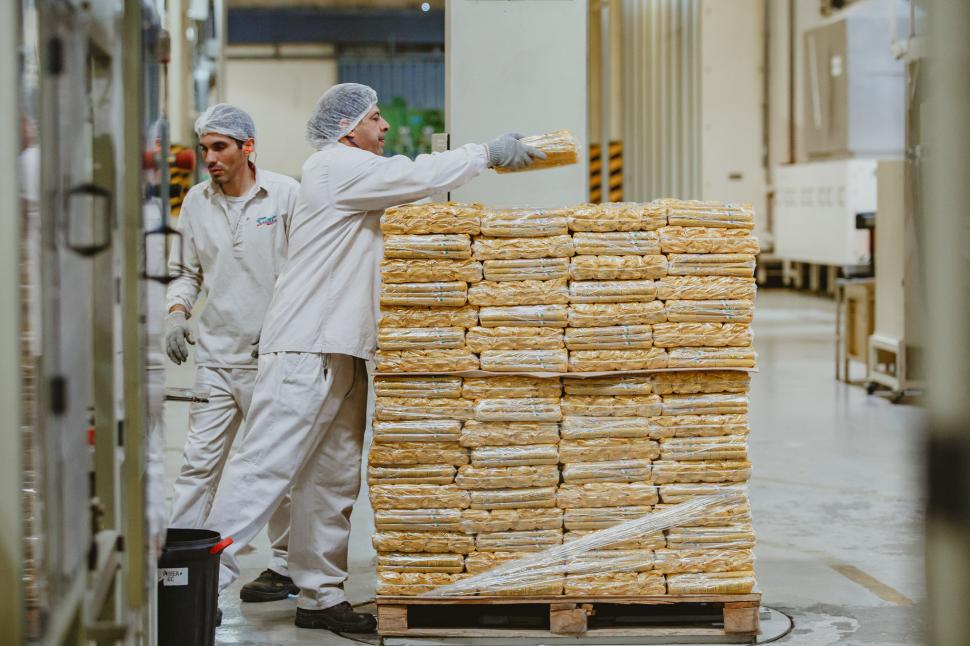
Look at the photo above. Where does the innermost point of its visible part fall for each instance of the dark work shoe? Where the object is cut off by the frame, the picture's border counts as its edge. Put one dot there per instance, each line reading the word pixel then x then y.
pixel 268 586
pixel 340 618
pixel 218 617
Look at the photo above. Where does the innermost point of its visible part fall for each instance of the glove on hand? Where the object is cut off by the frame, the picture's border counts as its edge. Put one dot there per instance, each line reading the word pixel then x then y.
pixel 177 332
pixel 508 152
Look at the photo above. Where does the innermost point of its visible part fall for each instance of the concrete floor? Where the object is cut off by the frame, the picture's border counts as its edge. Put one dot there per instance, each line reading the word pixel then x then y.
pixel 836 495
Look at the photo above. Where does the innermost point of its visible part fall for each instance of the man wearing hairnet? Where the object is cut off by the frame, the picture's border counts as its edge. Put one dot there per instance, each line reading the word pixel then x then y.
pixel 232 248
pixel 306 425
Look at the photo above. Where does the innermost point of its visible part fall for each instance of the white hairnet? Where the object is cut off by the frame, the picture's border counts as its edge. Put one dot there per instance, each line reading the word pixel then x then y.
pixel 228 120
pixel 338 112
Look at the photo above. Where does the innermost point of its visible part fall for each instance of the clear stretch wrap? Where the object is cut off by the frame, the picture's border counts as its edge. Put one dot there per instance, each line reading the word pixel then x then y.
pixel 580 427
pixel 513 248
pixel 524 223
pixel 651 541
pixel 442 294
pixel 712 358
pixel 425 360
pixel 476 521
pixel 668 561
pixel 738 513
pixel 418 520
pixel 526 269
pixel 519 292
pixel 707 240
pixel 524 315
pixel 513 456
pixel 421 338
pixel 609 386
pixel 527 541
pixel 612 291
pixel 701 381
pixel 706 288
pixel 403 562
pixel 601 517
pixel 706 404
pixel 449 246
pixel 619 243
pixel 611 406
pixel 709 471
pixel 740 536
pixel 514 477
pixel 710 264
pixel 417 453
pixel 674 494
pixel 616 216
pixel 423 474
pixel 616 337
pixel 560 146
pixel 725 311
pixel 634 560
pixel 435 217
pixel 703 425
pixel 531 498
pixel 465 317
pixel 695 213
pixel 397 270
pixel 418 496
pixel 612 471
pixel 605 449
pixel 509 387
pixel 524 360
pixel 423 430
pixel 524 409
pixel 392 409
pixel 418 386
pixel 610 314
pixel 618 267
pixel 606 494
pixel 475 434
pixel 727 447
pixel 701 335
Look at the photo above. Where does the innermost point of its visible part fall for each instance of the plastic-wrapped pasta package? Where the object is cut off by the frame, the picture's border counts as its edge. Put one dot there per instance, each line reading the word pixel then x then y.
pixel 422 474
pixel 616 337
pixel 703 425
pixel 524 360
pixel 606 494
pixel 482 339
pixel 706 404
pixel 707 240
pixel 418 562
pixel 616 584
pixel 728 447
pixel 477 521
pixel 739 536
pixel 601 517
pixel 612 291
pixel 410 584
pixel 398 270
pixel 510 387
pixel 609 386
pixel 741 582
pixel 521 477
pixel 518 248
pixel 560 146
pixel 418 520
pixel 478 562
pixel 668 561
pixel 710 264
pixel 434 217
pixel 524 315
pixel 425 360
pixel 609 314
pixel 475 434
pixel 394 409
pixel 612 471
pixel 513 456
pixel 701 381
pixel 545 586
pixel 623 216
pixel 527 541
pixel 431 542
pixel 423 430
pixel 420 338
pixel 605 449
pixel 524 223
pixel 526 269
pixel 524 409
pixel 434 387
pixel 723 311
pixel 532 498
pixel 611 360
pixel 649 541
pixel 729 357
pixel 604 560
pixel 579 427
pixel 415 453
pixel 667 471
pixel 413 247
pixel 737 514
pixel 706 288
pixel 702 335
pixel 441 294
pixel 418 496
pixel 519 292
pixel 618 267
pixel 618 243
pixel 676 494
pixel 465 317
pixel 695 213
pixel 620 406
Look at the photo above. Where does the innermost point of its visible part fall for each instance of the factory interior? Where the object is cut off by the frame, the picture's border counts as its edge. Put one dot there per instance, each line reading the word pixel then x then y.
pixel 780 340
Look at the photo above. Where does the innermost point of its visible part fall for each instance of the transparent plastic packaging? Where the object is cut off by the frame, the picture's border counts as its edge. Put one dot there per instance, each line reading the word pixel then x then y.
pixel 477 521
pixel 532 498
pixel 450 246
pixel 423 542
pixel 695 213
pixel 393 409
pixel 560 146
pixel 706 404
pixel 703 335
pixel 650 541
pixel 616 216
pixel 528 541
pixel 739 536
pixel 433 386
pixel 392 317
pixel 418 520
pixel 512 456
pixel 518 477
pixel 434 217
pixel 519 292
pixel 481 339
pixel 601 517
pixel 578 427
pixel 701 381
pixel 741 582
pixel 737 514
pixel 706 288
pixel 612 471
pixel 413 431
pixel 477 434
pixel 418 496
pixel 728 447
pixel 478 562
pixel 615 337
pixel 707 240
pixel 668 561
pixel 415 453
pixel 403 562
pixel 612 291
pixel 710 264
pixel 723 311
pixel 621 385
pixel 409 584
pixel 619 406
pixel 712 358
pixel 425 360
pixel 606 494
pixel 703 425
pixel 610 314
pixel 398 270
pixel 424 474
pixel 442 294
pixel 510 387
pixel 628 560
pixel 675 494
pixel 668 472
pixel 618 267
pixel 524 315
pixel 421 338
pixel 605 449
pixel 524 223
pixel 522 409
pixel 619 243
pixel 524 360
pixel 526 269
pixel 517 248
pixel 616 584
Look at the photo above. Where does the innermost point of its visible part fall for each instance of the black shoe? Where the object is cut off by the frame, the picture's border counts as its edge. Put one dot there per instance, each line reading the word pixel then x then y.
pixel 268 586
pixel 218 617
pixel 340 618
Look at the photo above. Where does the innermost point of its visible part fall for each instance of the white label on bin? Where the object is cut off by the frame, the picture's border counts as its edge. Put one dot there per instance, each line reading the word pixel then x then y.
pixel 174 576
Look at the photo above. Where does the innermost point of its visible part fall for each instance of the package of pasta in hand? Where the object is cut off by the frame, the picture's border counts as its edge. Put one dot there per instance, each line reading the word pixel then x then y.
pixel 561 149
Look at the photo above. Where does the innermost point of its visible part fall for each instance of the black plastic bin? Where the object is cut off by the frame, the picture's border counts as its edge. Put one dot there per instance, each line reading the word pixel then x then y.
pixel 188 587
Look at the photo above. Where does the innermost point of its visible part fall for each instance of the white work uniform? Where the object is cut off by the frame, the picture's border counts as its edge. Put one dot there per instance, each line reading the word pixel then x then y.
pixel 232 250
pixel 311 392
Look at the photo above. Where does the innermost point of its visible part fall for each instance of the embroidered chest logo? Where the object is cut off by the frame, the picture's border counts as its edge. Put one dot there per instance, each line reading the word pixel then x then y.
pixel 267 221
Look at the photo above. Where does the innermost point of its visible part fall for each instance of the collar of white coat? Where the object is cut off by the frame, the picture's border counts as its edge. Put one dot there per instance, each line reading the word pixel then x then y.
pixel 210 190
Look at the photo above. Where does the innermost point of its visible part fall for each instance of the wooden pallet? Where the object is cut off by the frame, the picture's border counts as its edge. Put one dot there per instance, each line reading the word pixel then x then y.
pixel 732 617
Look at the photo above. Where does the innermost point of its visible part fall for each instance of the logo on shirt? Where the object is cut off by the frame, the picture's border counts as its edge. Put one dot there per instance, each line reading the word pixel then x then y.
pixel 267 221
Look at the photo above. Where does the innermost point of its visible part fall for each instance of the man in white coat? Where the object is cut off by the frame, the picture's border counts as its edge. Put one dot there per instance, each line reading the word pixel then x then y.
pixel 306 425
pixel 234 230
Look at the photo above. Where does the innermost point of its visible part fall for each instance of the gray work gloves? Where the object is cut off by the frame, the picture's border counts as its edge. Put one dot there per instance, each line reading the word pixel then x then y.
pixel 508 152
pixel 177 332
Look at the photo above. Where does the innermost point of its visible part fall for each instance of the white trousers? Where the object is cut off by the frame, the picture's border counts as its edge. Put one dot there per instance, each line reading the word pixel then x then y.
pixel 212 429
pixel 305 430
